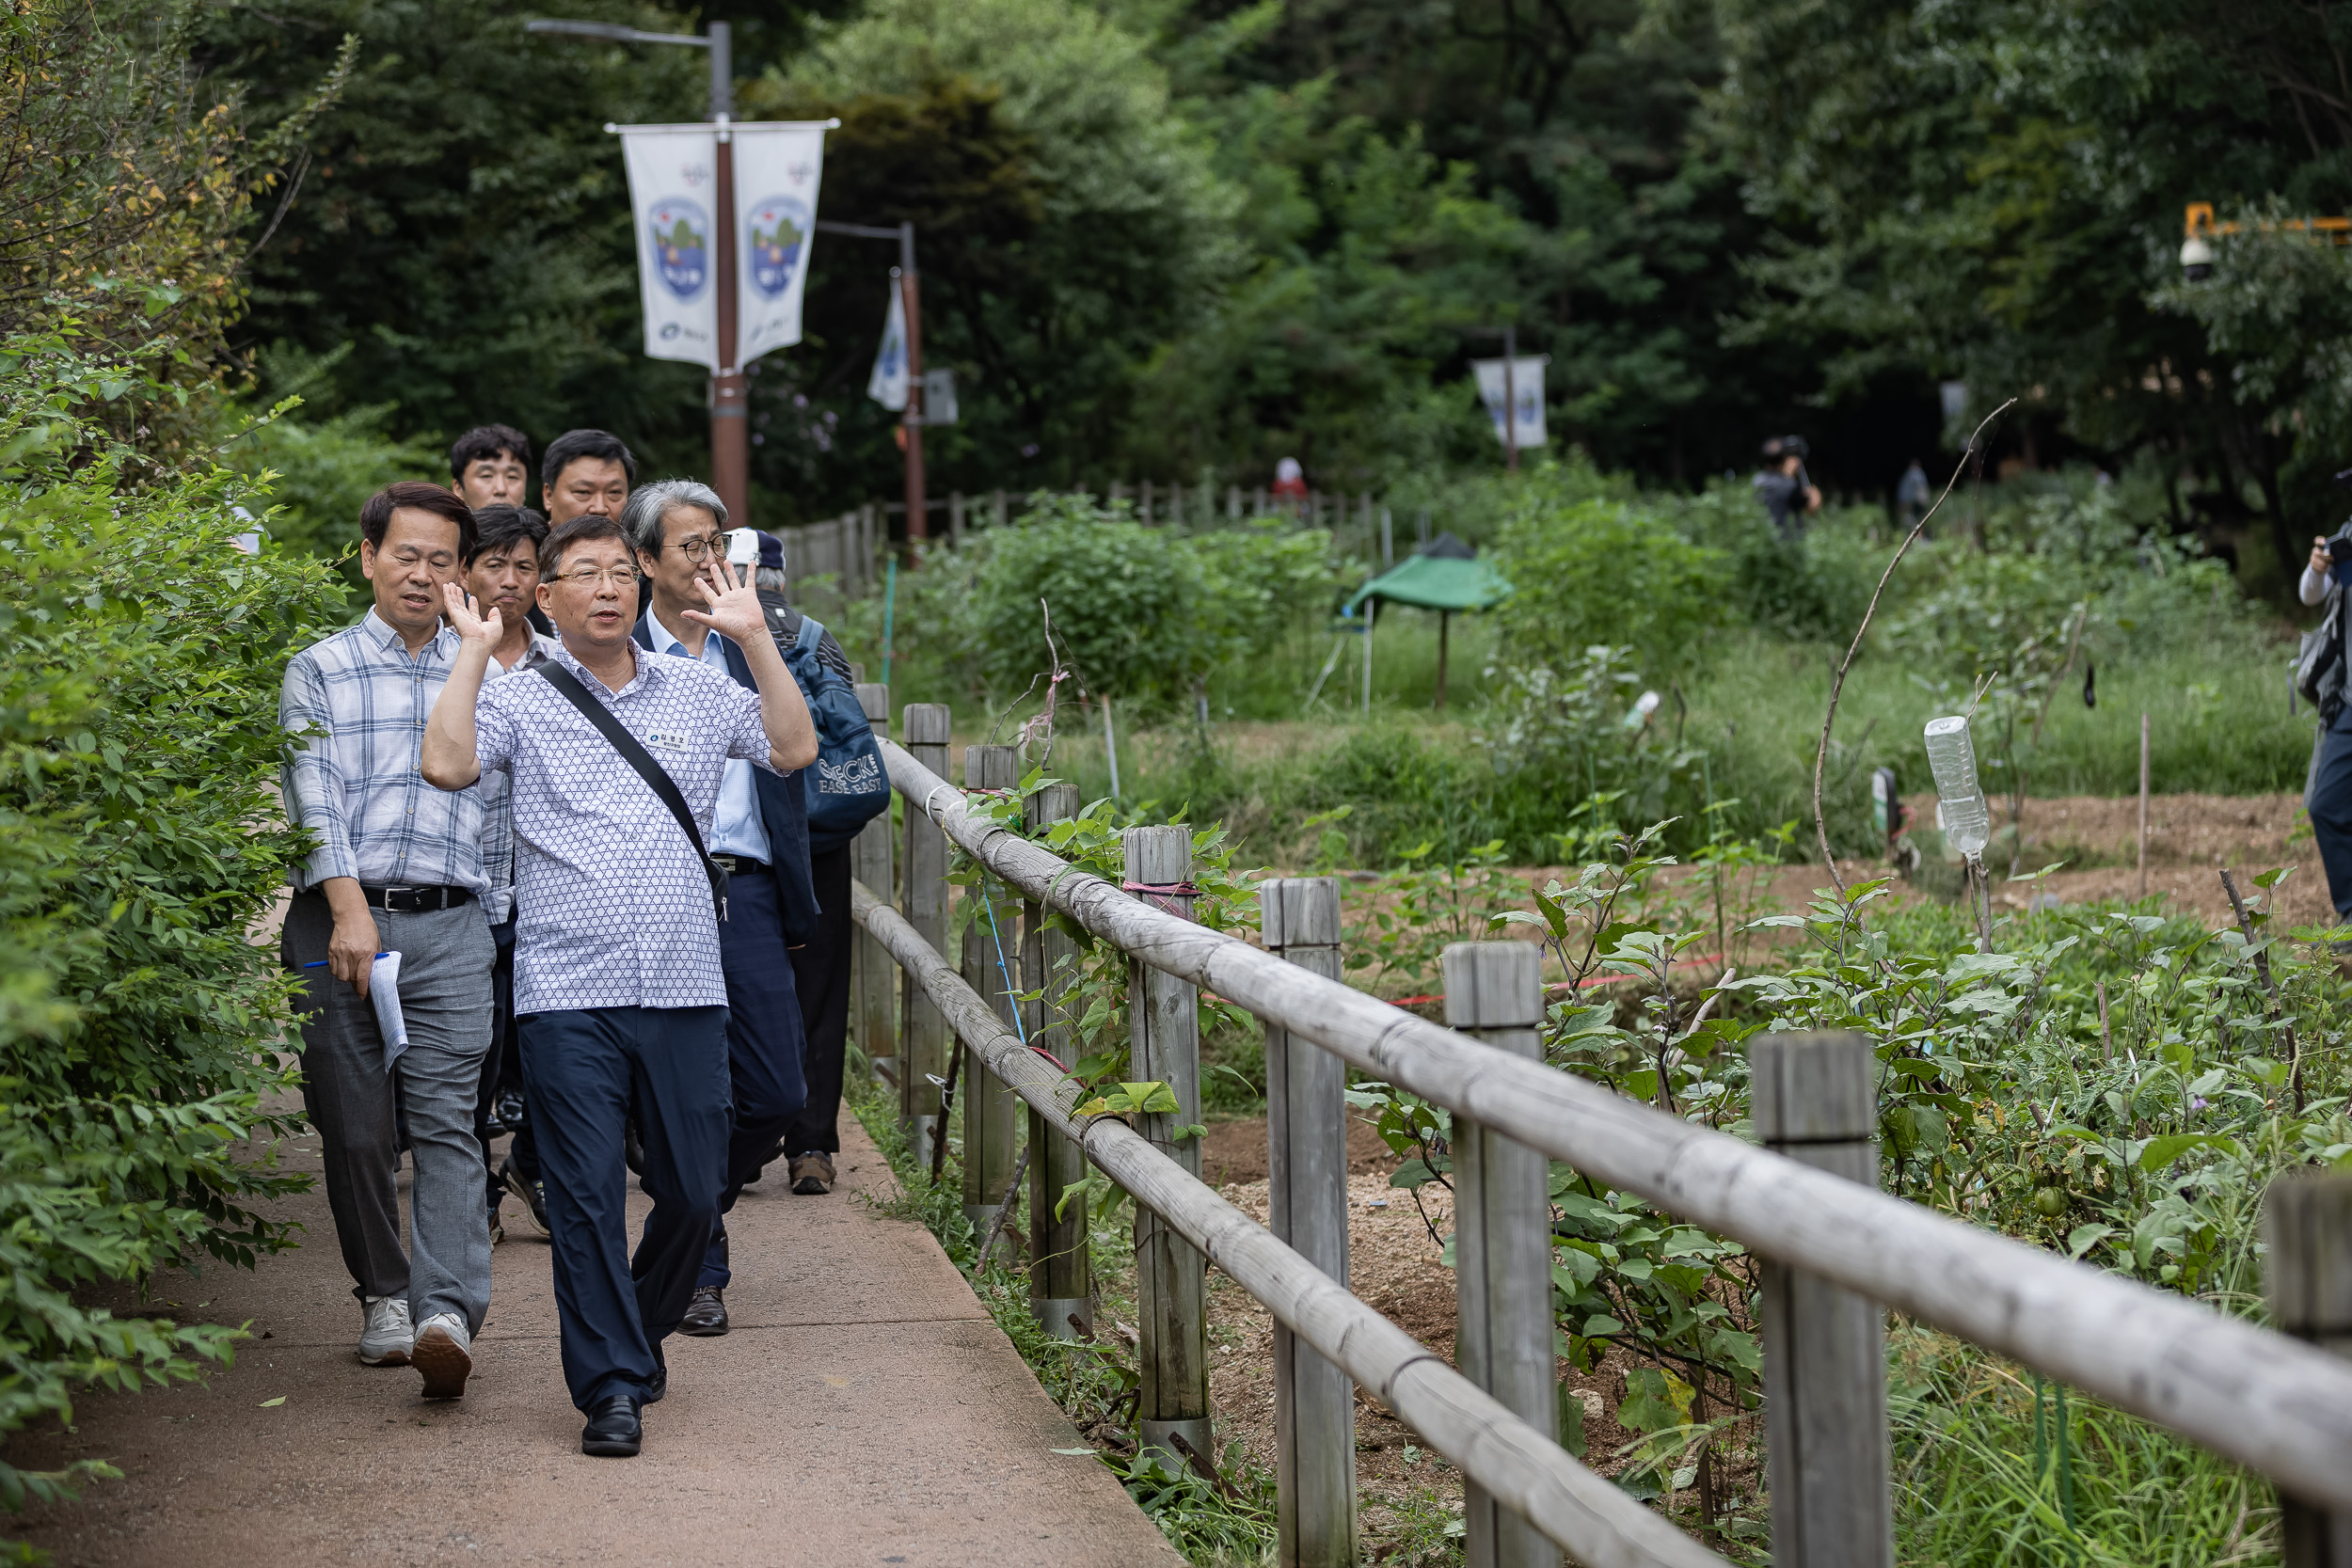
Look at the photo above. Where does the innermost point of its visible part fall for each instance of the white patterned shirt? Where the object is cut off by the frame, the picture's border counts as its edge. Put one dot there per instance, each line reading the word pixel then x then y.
pixel 614 909
pixel 357 703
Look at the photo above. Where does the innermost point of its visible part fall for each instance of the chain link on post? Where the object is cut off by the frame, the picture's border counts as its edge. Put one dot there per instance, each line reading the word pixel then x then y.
pixel 1171 1277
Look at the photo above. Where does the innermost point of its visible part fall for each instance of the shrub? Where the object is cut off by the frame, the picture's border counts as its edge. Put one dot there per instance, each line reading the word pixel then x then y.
pixel 1596 572
pixel 139 842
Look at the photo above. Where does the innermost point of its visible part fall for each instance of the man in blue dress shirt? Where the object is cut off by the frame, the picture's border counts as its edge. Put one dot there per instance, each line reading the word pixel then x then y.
pixel 620 990
pixel 761 836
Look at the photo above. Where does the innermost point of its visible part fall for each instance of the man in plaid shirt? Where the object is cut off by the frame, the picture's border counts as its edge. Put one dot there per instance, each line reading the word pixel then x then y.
pixel 397 870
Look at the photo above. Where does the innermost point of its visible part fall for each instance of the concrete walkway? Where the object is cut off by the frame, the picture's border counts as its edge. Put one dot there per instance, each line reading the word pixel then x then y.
pixel 865 1410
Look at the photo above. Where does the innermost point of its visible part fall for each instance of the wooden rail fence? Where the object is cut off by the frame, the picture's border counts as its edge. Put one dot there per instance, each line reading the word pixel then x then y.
pixel 1839 1251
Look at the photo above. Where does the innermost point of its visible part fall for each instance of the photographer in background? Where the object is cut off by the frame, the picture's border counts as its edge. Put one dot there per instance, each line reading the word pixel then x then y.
pixel 2319 676
pixel 1787 492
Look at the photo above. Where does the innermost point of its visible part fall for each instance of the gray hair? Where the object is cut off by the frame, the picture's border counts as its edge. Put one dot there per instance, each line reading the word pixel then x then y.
pixel 772 579
pixel 642 514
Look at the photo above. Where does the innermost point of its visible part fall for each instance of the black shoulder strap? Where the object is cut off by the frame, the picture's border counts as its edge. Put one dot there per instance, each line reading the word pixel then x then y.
pixel 651 772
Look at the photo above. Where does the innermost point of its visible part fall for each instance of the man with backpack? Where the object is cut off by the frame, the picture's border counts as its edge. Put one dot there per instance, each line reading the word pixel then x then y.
pixel 2319 678
pixel 760 837
pixel 847 788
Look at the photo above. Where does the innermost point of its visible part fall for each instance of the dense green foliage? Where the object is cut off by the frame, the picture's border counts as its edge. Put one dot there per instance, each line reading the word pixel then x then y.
pixel 140 840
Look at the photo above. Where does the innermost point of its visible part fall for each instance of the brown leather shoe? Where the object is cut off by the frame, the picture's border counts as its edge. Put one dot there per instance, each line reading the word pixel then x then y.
pixel 705 1316
pixel 812 1173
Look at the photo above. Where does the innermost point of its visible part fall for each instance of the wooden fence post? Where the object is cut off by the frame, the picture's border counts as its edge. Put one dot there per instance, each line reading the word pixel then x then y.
pixel 1061 1269
pixel 1232 503
pixel 1827 1460
pixel 1001 512
pixel 869 862
pixel 1494 991
pixel 1314 1401
pixel 990 942
pixel 923 1041
pixel 2307 1227
pixel 1171 1277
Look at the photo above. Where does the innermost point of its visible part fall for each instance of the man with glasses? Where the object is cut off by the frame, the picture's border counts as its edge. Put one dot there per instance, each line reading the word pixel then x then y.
pixel 502 574
pixel 761 836
pixel 398 870
pixel 618 976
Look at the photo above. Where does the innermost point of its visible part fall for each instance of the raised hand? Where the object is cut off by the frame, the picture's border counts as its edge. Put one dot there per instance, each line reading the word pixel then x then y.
pixel 466 617
pixel 733 604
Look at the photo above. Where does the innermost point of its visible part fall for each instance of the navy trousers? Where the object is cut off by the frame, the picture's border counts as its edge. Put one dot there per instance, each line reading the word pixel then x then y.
pixel 2331 805
pixel 764 1042
pixel 821 971
pixel 581 1071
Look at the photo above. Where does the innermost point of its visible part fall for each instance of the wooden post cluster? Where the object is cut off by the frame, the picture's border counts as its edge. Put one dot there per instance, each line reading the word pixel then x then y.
pixel 1171 1277
pixel 923 1045
pixel 1314 1401
pixel 1494 991
pixel 1061 1269
pixel 871 967
pixel 990 944
pixel 1816 1101
pixel 2307 1228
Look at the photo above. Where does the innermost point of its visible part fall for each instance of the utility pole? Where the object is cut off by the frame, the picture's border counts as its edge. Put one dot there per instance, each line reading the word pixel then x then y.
pixel 729 397
pixel 908 283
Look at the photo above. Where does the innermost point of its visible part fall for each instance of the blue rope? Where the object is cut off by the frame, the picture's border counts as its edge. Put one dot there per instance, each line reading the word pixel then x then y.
pixel 1002 968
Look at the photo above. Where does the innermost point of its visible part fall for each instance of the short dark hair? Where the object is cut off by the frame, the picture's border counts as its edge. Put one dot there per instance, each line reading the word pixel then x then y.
pixel 487 440
pixel 584 529
pixel 376 516
pixel 574 444
pixel 497 526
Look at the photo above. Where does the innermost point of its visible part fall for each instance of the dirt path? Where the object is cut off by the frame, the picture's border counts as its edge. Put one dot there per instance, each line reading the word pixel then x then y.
pixel 864 1410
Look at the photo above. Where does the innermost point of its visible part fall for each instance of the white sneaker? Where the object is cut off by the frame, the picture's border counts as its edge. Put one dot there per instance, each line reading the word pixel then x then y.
pixel 385 1338
pixel 443 1353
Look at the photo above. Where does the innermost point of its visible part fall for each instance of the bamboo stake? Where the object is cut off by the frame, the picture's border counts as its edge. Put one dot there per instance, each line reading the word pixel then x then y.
pixel 2143 805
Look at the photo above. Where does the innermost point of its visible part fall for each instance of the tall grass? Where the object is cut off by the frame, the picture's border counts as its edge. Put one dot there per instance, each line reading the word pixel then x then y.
pixel 1987 1475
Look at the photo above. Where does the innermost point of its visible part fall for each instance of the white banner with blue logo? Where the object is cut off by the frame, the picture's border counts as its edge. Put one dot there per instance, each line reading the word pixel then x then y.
pixel 887 384
pixel 777 165
pixel 673 187
pixel 673 178
pixel 1527 386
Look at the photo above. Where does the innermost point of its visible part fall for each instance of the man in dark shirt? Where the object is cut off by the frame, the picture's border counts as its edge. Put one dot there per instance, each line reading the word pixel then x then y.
pixel 1787 492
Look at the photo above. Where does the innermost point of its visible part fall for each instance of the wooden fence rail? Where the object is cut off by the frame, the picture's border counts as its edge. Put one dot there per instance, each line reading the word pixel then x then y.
pixel 2274 1404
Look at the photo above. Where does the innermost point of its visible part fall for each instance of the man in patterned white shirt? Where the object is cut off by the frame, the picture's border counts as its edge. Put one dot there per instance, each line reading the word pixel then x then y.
pixel 618 985
pixel 398 869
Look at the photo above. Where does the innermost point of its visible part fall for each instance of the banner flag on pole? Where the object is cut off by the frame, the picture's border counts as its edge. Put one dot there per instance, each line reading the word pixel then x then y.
pixel 1527 382
pixel 777 168
pixel 673 173
pixel 887 385
pixel 672 181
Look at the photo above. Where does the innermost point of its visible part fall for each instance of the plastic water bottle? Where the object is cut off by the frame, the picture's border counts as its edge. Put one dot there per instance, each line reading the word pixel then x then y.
pixel 1961 805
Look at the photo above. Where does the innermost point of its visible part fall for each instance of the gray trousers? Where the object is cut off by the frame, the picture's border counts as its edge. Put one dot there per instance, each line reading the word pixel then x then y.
pixel 445 957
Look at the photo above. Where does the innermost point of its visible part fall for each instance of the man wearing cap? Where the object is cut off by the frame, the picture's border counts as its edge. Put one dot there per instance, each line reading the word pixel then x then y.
pixel 820 966
pixel 1787 492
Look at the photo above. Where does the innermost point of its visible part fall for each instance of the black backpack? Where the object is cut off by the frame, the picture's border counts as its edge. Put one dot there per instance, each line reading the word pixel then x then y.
pixel 847 786
pixel 2318 674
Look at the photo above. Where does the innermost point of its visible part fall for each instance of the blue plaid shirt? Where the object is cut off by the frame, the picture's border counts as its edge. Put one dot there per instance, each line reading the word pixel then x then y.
pixel 356 705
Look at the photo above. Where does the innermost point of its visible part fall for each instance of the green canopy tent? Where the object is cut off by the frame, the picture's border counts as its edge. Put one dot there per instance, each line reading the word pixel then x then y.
pixel 1446 576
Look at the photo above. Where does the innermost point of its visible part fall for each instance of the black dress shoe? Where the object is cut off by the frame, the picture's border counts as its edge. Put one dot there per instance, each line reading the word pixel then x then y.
pixel 614 1429
pixel 707 1314
pixel 660 1384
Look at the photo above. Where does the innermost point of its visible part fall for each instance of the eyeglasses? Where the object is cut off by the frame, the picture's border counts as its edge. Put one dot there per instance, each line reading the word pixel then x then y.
pixel 699 548
pixel 619 577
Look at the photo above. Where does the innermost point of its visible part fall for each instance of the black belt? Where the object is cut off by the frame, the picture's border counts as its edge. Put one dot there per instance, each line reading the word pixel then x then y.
pixel 415 900
pixel 740 865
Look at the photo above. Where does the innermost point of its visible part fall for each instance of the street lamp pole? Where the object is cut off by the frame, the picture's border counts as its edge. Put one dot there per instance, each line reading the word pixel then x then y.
pixel 908 283
pixel 729 394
